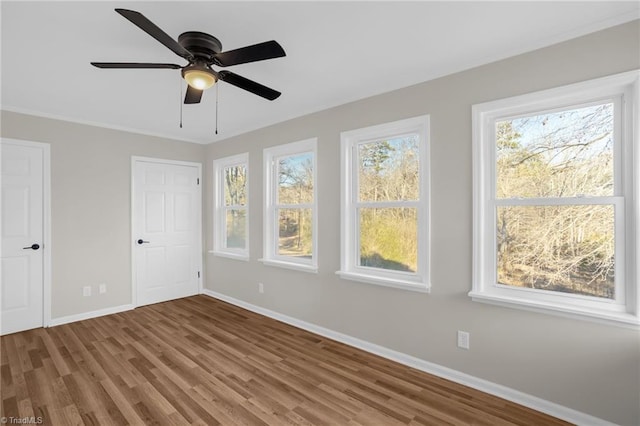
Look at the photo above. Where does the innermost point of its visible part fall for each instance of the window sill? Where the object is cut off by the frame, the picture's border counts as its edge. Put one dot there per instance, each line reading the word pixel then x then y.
pixel 290 265
pixel 621 319
pixel 386 282
pixel 234 256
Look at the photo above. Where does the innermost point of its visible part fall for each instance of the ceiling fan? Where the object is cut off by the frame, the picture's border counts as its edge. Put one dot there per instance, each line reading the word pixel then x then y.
pixel 202 51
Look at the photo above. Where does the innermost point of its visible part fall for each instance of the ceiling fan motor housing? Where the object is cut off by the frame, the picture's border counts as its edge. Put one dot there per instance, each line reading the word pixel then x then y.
pixel 202 45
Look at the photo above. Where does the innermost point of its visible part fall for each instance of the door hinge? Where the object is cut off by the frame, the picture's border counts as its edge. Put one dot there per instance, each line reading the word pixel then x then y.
pixel 198 274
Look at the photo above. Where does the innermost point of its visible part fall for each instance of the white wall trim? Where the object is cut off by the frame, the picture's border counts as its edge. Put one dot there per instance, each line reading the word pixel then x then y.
pixel 501 391
pixel 88 315
pixel 76 120
pixel 47 262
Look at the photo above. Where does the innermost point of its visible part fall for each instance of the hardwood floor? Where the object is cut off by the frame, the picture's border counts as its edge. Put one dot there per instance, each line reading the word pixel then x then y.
pixel 202 361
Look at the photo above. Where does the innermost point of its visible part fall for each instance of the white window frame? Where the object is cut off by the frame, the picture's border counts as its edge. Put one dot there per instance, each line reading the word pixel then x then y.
pixel 271 206
pixel 350 268
pixel 220 209
pixel 624 91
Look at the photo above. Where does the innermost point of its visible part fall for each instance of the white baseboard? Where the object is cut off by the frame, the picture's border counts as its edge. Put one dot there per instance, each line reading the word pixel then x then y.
pixel 89 315
pixel 501 391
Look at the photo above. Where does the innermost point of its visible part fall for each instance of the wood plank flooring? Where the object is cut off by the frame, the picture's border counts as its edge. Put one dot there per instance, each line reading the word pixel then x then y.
pixel 201 361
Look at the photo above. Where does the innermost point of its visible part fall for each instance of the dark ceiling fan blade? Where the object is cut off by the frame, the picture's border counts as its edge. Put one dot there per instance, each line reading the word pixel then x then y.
pixel 154 31
pixel 192 96
pixel 248 85
pixel 257 52
pixel 134 65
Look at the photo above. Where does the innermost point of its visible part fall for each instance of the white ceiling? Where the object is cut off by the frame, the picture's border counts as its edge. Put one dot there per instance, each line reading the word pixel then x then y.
pixel 337 52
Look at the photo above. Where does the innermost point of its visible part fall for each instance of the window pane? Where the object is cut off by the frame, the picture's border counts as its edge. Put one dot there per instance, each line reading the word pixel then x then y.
pixel 295 233
pixel 568 249
pixel 235 185
pixel 295 179
pixel 388 169
pixel 559 154
pixel 236 228
pixel 389 238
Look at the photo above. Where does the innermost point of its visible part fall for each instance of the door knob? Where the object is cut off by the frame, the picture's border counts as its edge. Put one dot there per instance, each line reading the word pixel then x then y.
pixel 141 241
pixel 32 247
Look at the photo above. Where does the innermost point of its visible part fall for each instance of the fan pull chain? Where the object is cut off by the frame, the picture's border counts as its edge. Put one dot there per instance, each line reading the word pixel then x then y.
pixel 181 103
pixel 217 85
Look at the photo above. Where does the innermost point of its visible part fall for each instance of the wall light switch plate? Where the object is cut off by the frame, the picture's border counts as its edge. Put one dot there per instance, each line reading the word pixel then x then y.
pixel 86 291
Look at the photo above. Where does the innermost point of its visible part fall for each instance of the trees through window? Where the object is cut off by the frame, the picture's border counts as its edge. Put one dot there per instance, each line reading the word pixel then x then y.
pixel 559 156
pixel 290 210
pixel 231 226
pixel 294 205
pixel 385 204
pixel 553 213
pixel 388 196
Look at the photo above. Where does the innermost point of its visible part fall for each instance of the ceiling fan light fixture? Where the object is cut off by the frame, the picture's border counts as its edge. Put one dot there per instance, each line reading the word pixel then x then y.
pixel 199 77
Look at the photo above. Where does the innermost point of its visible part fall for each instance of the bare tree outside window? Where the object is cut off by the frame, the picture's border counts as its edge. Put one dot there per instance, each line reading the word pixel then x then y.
pixel 550 245
pixel 388 177
pixel 235 200
pixel 295 194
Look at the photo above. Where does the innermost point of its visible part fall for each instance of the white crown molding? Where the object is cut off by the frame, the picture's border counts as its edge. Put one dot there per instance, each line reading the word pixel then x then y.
pixel 96 124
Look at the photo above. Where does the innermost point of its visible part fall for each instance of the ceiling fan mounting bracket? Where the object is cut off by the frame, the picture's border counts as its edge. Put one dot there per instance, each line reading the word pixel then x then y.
pixel 200 44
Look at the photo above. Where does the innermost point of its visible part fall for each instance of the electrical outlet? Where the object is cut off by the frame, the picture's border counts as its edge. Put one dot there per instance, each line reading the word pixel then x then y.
pixel 463 339
pixel 261 287
pixel 86 290
pixel 102 288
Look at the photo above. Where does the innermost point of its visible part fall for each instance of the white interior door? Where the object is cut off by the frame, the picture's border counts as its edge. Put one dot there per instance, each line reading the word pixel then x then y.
pixel 167 246
pixel 22 267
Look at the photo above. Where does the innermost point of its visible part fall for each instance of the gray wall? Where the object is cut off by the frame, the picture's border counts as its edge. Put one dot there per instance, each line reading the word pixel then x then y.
pixel 590 367
pixel 91 205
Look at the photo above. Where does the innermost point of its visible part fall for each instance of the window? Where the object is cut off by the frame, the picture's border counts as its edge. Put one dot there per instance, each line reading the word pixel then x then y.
pixel 385 204
pixel 231 217
pixel 554 216
pixel 290 206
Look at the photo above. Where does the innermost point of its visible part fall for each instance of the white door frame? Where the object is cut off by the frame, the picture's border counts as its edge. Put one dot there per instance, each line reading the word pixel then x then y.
pixel 46 221
pixel 134 160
